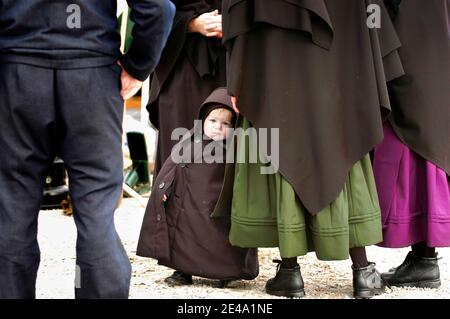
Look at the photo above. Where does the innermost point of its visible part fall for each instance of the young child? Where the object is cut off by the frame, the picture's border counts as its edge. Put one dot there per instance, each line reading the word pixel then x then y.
pixel 177 229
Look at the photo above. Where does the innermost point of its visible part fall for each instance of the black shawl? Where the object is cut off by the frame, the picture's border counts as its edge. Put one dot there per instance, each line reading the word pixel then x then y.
pixel 313 69
pixel 421 98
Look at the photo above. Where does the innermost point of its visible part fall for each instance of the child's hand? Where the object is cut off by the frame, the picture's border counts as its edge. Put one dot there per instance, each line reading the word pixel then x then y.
pixel 165 198
pixel 234 102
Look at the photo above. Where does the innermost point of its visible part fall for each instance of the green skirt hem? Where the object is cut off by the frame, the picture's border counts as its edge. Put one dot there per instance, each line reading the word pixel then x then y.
pixel 328 244
pixel 266 212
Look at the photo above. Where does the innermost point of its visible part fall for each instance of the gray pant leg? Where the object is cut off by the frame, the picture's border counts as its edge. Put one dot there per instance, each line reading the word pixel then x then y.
pixel 27 130
pixel 92 110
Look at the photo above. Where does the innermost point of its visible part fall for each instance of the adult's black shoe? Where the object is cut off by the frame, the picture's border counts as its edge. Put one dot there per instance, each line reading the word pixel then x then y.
pixel 415 271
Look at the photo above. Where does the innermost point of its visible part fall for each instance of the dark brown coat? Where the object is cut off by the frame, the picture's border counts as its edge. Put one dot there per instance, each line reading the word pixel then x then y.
pixel 181 233
pixel 313 69
pixel 421 98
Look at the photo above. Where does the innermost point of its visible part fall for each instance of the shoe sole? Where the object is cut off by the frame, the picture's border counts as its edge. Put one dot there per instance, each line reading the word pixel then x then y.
pixel 367 294
pixel 419 284
pixel 174 282
pixel 223 285
pixel 287 294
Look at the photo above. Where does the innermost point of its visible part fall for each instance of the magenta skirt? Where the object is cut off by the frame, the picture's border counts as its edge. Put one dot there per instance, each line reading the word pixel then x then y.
pixel 414 195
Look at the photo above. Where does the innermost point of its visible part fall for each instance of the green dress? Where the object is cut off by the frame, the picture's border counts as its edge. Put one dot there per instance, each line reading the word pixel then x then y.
pixel 266 212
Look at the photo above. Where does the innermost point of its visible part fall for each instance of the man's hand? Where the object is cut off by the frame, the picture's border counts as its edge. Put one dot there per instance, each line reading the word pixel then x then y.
pixel 208 24
pixel 130 86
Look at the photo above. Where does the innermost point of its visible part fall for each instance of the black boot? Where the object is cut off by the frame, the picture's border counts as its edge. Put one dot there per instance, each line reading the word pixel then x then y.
pixel 287 282
pixel 224 283
pixel 179 278
pixel 367 282
pixel 415 271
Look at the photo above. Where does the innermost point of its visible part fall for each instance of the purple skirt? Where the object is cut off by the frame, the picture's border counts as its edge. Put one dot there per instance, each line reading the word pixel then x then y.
pixel 414 195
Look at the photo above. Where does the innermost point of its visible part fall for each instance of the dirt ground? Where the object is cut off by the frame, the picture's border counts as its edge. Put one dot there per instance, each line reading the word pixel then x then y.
pixel 57 236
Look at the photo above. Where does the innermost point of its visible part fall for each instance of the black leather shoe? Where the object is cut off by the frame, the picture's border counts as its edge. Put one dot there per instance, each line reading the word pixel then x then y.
pixel 179 278
pixel 224 283
pixel 367 282
pixel 415 271
pixel 287 282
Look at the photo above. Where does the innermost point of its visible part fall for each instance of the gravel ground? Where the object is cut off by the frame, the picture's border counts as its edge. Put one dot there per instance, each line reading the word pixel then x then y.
pixel 57 235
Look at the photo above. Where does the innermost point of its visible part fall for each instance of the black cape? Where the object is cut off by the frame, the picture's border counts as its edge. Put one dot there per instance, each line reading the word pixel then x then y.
pixel 181 233
pixel 421 98
pixel 191 67
pixel 313 69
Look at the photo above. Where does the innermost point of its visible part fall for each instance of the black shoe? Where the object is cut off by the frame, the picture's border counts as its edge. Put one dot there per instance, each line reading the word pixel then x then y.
pixel 179 278
pixel 415 271
pixel 224 283
pixel 367 282
pixel 287 282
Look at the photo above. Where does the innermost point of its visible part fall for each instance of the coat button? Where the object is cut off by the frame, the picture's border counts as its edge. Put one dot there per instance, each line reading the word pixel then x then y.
pixel 158 217
pixel 161 186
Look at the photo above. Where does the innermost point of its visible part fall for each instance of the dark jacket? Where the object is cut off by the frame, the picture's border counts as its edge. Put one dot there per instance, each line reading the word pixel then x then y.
pixel 421 98
pixel 202 52
pixel 191 67
pixel 180 233
pixel 317 72
pixel 36 32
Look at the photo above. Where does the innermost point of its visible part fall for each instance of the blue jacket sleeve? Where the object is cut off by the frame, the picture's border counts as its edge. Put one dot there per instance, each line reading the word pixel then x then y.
pixel 152 24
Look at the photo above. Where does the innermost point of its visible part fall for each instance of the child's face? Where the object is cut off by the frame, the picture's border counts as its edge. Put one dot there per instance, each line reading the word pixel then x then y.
pixel 216 124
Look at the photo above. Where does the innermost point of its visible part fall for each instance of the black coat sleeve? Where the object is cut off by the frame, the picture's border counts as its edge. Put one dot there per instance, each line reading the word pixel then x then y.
pixel 152 24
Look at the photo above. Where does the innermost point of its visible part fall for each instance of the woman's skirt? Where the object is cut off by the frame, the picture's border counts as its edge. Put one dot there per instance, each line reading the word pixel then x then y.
pixel 266 212
pixel 414 195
